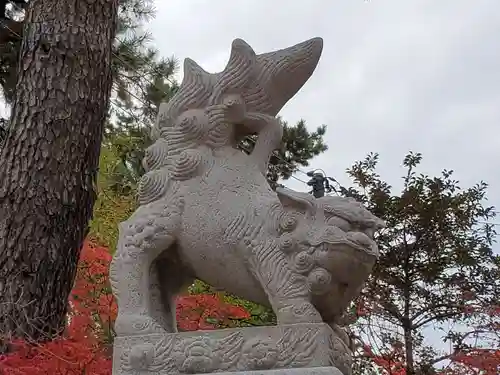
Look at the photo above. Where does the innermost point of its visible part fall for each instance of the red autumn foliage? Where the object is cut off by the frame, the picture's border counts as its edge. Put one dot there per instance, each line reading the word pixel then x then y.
pixel 471 360
pixel 390 362
pixel 206 311
pixel 475 360
pixel 85 346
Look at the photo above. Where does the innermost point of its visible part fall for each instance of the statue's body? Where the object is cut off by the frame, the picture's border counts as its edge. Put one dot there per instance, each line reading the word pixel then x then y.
pixel 208 212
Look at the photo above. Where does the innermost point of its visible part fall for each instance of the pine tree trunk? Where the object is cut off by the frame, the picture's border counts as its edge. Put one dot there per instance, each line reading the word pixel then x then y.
pixel 49 161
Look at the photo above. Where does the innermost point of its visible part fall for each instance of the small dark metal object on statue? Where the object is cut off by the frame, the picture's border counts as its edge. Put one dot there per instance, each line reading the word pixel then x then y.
pixel 319 184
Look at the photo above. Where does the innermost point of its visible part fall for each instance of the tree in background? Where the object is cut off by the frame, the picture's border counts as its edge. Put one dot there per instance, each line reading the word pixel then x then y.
pixel 298 147
pixel 139 74
pixel 49 160
pixel 437 269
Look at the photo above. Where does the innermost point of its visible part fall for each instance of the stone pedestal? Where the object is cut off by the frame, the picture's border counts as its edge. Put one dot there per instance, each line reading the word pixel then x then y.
pixel 294 371
pixel 279 350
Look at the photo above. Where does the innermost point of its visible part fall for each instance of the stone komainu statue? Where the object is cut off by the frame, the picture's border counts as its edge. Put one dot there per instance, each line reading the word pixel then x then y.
pixel 206 210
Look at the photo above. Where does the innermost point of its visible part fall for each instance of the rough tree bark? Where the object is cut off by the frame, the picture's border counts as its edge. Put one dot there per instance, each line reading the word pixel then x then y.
pixel 50 158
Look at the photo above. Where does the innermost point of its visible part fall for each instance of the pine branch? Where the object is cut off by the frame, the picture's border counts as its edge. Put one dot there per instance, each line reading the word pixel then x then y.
pixel 10 30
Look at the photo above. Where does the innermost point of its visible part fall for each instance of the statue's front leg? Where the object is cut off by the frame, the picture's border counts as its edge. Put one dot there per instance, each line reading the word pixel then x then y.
pixel 287 290
pixel 142 238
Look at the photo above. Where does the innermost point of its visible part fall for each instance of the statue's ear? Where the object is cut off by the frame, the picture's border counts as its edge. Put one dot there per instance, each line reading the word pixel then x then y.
pixel 296 201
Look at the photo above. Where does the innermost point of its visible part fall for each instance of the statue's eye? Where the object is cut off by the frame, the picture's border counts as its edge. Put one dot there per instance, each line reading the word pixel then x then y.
pixel 339 223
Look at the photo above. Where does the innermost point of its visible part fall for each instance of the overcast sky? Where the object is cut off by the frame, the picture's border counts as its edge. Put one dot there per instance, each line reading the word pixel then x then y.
pixel 394 76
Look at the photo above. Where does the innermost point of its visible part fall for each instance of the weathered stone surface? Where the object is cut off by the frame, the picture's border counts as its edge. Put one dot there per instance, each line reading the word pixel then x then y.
pixel 304 346
pixel 208 212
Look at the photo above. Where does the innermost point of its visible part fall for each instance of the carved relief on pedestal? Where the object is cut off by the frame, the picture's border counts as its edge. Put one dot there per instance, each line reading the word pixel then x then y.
pixel 247 349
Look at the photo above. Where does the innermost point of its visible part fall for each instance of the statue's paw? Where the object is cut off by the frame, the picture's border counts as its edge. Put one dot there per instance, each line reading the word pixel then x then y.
pixel 298 312
pixel 136 324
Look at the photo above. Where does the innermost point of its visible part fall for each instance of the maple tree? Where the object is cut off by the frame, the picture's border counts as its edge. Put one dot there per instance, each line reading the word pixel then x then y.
pixel 437 272
pixel 475 349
